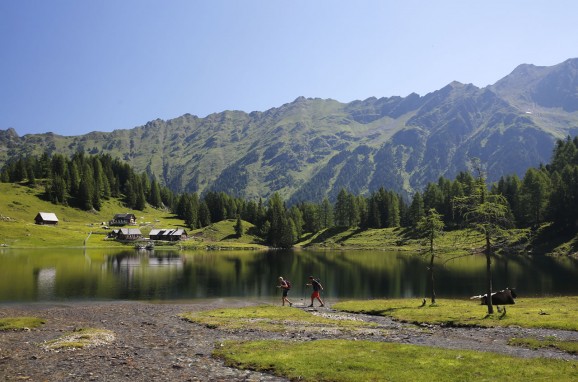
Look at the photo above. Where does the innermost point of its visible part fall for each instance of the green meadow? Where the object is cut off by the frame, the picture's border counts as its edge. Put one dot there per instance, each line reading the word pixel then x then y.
pixel 353 360
pixel 543 312
pixel 20 204
pixel 77 228
pixel 342 360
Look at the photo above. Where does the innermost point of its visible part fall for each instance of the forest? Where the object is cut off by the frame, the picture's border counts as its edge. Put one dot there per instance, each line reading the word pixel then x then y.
pixel 548 193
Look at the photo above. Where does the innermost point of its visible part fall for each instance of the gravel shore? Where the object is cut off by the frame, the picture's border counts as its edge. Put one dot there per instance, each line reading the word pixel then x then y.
pixel 153 344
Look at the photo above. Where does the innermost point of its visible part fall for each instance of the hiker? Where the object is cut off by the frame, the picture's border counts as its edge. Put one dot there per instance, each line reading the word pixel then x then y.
pixel 316 288
pixel 285 285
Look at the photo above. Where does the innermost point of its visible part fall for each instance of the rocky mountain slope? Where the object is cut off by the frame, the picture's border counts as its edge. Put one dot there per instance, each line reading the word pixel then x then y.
pixel 311 148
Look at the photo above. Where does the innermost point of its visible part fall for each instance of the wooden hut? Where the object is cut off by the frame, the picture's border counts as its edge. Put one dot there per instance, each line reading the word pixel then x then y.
pixel 46 218
pixel 123 219
pixel 129 234
pixel 174 234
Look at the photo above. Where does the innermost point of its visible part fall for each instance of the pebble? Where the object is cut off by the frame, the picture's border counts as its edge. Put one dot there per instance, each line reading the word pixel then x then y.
pixel 153 343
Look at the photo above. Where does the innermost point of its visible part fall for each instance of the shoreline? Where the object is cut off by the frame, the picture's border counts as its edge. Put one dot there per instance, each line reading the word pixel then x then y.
pixel 153 343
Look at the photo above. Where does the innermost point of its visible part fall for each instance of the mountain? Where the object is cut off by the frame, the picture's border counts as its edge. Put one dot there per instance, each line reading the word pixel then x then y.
pixel 311 148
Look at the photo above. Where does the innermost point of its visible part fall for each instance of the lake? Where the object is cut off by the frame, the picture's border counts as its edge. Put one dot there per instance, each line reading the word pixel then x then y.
pixel 40 275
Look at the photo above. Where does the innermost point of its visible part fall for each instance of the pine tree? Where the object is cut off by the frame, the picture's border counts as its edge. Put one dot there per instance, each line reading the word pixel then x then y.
pixel 85 194
pixel 432 197
pixel 326 214
pixel 288 233
pixel 311 217
pixel 563 206
pixel 204 214
pixel 31 177
pixel 277 218
pixel 74 178
pixel 188 215
pixel 86 188
pixel 59 165
pixel 392 210
pixel 374 213
pixel 167 197
pixel 20 174
pixel 194 222
pixel 155 196
pixel 534 194
pixel 342 207
pixel 140 198
pixel 297 217
pixel 239 227
pixel 416 210
pixel 57 190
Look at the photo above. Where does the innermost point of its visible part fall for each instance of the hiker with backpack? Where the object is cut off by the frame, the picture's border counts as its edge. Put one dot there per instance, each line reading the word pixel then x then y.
pixel 317 287
pixel 285 285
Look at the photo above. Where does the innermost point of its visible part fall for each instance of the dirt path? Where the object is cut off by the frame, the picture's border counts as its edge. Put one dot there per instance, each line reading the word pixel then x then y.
pixel 152 343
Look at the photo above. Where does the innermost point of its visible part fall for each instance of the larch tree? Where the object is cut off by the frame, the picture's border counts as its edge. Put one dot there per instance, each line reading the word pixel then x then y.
pixel 431 227
pixel 489 215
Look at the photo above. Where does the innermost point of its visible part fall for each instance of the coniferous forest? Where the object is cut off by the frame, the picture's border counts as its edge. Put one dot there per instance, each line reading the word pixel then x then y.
pixel 548 193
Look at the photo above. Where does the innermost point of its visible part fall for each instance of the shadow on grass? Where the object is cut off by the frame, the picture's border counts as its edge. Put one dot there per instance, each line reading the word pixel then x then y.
pixel 350 235
pixel 548 238
pixel 574 244
pixel 331 232
pixel 179 223
pixel 407 235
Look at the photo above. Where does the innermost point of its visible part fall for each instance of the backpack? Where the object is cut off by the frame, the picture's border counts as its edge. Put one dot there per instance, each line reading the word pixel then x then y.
pixel 316 281
pixel 288 284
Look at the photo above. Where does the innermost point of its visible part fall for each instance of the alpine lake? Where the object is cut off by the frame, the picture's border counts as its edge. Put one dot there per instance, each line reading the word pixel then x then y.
pixel 50 275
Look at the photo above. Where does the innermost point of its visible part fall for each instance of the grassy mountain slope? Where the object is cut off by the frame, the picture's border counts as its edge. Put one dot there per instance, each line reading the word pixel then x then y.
pixel 20 204
pixel 311 148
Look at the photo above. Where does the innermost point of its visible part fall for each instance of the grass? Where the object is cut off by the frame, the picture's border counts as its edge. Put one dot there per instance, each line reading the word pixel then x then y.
pixel 221 235
pixel 534 343
pixel 394 239
pixel 347 360
pixel 341 360
pixel 350 360
pixel 81 338
pixel 20 323
pixel 546 312
pixel 20 204
pixel 268 318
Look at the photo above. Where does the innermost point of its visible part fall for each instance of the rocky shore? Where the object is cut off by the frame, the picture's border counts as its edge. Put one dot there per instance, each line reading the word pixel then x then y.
pixel 152 343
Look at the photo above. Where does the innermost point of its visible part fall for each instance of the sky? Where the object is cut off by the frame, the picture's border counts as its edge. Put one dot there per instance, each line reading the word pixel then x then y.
pixel 72 67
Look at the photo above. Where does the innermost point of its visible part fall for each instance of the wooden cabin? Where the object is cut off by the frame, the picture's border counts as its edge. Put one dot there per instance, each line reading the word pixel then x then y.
pixel 113 234
pixel 46 218
pixel 129 234
pixel 123 219
pixel 175 234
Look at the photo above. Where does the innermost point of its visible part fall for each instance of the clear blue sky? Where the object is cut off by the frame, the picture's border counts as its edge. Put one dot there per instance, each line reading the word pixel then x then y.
pixel 75 66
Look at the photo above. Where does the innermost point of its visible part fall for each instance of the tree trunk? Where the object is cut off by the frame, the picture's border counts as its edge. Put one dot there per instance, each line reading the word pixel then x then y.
pixel 433 283
pixel 431 270
pixel 489 274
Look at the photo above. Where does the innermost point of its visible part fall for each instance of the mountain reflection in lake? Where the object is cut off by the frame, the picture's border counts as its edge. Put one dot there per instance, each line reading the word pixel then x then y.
pixel 76 274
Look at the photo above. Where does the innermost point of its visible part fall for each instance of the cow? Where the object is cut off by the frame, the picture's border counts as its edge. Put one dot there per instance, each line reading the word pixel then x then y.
pixel 503 297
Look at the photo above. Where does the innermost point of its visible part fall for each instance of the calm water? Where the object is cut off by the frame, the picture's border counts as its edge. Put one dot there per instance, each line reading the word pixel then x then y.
pixel 76 274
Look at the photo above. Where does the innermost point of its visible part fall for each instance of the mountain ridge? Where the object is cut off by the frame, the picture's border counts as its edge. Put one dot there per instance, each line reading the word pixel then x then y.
pixel 310 148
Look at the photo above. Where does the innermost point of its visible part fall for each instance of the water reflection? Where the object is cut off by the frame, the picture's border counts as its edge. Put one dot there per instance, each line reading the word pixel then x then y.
pixel 43 275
